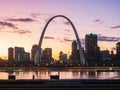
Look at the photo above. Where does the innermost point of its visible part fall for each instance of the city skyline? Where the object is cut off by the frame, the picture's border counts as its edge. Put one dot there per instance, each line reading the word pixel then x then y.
pixel 93 55
pixel 21 23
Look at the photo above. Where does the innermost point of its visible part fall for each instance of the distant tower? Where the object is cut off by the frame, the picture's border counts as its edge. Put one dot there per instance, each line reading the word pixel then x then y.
pixel 34 51
pixel 10 54
pixel 75 57
pixel 62 56
pixel 90 41
pixel 74 50
pixel 18 52
pixel 47 55
pixel 91 47
pixel 24 57
pixel 118 49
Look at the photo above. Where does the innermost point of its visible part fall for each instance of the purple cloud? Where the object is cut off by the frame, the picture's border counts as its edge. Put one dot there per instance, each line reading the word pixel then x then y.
pixel 67 30
pixel 53 21
pixel 108 39
pixel 17 31
pixel 7 24
pixel 66 23
pixel 99 21
pixel 68 40
pixel 21 19
pixel 21 31
pixel 36 15
pixel 115 27
pixel 48 37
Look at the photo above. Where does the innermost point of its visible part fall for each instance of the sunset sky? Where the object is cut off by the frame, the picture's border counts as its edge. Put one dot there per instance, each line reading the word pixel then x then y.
pixel 22 21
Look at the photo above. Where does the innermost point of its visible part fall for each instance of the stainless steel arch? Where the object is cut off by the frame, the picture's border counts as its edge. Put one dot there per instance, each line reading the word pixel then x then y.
pixel 76 34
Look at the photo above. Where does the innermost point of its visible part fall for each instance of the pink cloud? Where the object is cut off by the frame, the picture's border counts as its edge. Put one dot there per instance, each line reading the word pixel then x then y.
pixel 66 23
pixel 37 15
pixel 68 40
pixel 67 30
pixel 21 19
pixel 21 31
pixel 7 24
pixel 115 27
pixel 48 37
pixel 99 21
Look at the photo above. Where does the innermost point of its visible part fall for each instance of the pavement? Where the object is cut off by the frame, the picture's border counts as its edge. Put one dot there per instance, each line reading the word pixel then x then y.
pixel 65 84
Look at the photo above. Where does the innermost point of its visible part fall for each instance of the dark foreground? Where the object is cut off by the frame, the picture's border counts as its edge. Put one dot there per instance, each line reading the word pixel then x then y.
pixel 60 84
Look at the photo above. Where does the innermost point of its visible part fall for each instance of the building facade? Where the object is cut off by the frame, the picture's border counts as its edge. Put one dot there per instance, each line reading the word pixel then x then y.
pixel 34 51
pixel 75 58
pixel 10 54
pixel 118 49
pixel 24 57
pixel 91 48
pixel 62 57
pixel 18 52
pixel 90 42
pixel 47 55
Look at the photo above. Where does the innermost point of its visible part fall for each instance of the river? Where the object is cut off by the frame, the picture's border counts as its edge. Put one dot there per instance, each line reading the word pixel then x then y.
pixel 63 74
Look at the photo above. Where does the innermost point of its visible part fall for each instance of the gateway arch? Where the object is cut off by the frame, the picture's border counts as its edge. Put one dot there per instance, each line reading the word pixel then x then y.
pixel 38 53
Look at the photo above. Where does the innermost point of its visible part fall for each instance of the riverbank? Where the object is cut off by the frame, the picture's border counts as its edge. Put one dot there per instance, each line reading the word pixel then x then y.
pixel 58 68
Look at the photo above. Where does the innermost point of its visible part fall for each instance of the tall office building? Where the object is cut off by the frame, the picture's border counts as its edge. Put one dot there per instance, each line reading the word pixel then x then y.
pixel 75 58
pixel 90 42
pixel 74 50
pixel 33 51
pixel 24 57
pixel 47 55
pixel 91 48
pixel 10 54
pixel 118 49
pixel 18 51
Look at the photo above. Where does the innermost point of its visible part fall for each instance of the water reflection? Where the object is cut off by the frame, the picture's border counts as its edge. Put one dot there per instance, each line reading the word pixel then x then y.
pixel 64 74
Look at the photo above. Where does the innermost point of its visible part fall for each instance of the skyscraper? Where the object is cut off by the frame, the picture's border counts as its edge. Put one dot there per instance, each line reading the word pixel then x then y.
pixel 118 49
pixel 47 55
pixel 18 52
pixel 75 58
pixel 33 52
pixel 74 50
pixel 91 48
pixel 24 57
pixel 10 54
pixel 90 42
